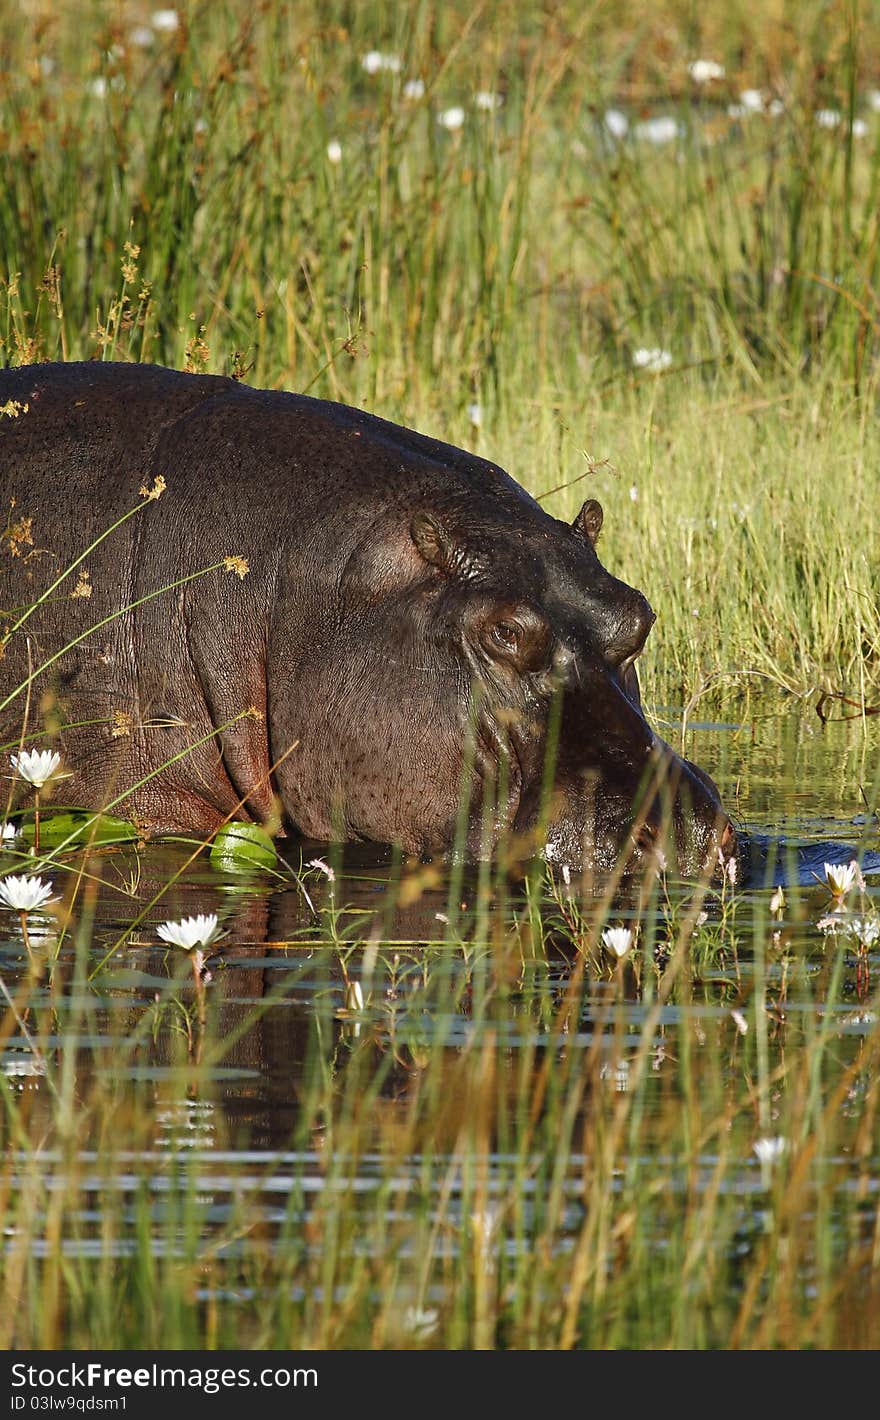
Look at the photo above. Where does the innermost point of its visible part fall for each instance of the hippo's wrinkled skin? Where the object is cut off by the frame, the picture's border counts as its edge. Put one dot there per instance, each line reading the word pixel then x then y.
pixel 410 618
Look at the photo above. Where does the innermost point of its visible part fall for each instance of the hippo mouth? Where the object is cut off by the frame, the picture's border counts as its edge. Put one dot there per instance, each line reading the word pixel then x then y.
pixel 622 800
pixel 677 824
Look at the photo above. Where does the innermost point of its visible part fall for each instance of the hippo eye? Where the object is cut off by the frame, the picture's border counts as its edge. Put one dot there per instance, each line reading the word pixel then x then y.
pixel 507 635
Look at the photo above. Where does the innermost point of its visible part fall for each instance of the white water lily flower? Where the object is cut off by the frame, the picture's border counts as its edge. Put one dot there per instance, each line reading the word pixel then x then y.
pixel 190 932
pixel 702 71
pixel 653 359
pixel 8 831
pixel 36 765
pixel 617 940
pixel 769 1150
pixel 451 119
pixel 841 878
pixel 25 894
pixel 777 901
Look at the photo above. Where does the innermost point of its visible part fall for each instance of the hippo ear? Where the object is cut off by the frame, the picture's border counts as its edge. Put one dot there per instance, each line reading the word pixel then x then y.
pixel 435 542
pixel 589 520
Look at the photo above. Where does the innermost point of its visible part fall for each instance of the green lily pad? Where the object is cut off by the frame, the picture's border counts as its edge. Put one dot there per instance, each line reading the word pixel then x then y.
pixel 242 846
pixel 74 824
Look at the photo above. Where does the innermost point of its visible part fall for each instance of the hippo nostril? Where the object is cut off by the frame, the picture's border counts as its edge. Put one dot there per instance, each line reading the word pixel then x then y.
pixel 627 640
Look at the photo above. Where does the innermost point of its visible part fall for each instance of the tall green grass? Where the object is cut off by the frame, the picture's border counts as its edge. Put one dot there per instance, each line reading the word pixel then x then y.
pixel 594 1186
pixel 493 282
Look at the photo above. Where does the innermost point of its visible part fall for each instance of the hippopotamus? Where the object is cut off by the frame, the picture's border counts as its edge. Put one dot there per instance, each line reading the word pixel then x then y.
pixel 419 654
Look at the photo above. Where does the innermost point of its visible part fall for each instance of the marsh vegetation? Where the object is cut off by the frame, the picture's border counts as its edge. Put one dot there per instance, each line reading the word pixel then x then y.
pixel 398 1103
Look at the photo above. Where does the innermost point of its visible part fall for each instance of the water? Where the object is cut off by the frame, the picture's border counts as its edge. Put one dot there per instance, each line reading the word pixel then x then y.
pixel 472 1081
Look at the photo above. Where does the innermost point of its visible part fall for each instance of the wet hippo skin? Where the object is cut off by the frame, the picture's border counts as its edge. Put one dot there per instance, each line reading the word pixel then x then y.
pixel 414 631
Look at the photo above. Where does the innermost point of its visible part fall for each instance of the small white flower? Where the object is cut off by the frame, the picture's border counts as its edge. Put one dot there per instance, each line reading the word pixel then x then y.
pixel 98 87
pixel 702 71
pixel 190 932
pixel 859 128
pixel 8 831
pixel 322 867
pixel 769 1150
pixel 475 414
pixel 166 21
pixel 451 119
pixel 485 1223
pixel 866 930
pixel 841 878
pixel 354 996
pixel 617 940
pixel 633 493
pixel 616 122
pixel 414 89
pixel 828 117
pixel 662 129
pixel 740 1022
pixel 777 902
pixel 375 62
pixel 141 37
pixel 653 359
pixel 752 100
pixel 420 1322
pixel 25 894
pixel 566 874
pixel 731 871
pixel 619 1073
pixel 832 924
pixel 36 765
pixel 334 151
pixel 487 101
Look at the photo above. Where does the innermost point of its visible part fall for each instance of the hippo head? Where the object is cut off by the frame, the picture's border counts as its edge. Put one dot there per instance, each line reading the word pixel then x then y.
pixel 545 641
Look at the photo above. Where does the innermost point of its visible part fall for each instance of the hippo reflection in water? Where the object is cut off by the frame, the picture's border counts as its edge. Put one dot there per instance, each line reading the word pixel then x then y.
pixel 415 633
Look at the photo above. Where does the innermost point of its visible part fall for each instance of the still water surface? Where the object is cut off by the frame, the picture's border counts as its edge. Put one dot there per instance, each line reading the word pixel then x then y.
pixel 389 966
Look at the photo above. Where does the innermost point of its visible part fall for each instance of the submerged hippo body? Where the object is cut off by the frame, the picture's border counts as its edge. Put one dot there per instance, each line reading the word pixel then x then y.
pixel 414 631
